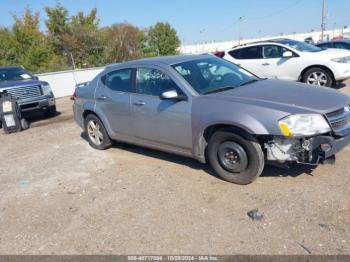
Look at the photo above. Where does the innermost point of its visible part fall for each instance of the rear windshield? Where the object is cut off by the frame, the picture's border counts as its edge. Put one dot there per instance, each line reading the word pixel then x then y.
pixel 14 74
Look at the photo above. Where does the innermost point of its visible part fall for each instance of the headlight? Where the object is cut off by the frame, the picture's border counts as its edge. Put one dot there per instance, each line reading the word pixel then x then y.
pixel 6 106
pixel 345 59
pixel 46 89
pixel 304 125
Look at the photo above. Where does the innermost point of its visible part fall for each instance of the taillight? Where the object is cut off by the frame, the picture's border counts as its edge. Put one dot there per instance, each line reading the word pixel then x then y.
pixel 74 96
pixel 220 54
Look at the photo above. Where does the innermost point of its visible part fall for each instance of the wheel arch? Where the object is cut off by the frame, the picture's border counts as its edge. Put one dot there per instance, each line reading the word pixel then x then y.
pixel 209 130
pixel 104 121
pixel 88 112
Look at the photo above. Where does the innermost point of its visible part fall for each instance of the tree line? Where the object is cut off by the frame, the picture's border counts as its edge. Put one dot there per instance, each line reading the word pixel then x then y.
pixel 78 41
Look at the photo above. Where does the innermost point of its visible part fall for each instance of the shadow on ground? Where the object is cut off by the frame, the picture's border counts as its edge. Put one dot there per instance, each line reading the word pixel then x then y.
pixel 340 85
pixel 269 171
pixel 39 116
pixel 38 120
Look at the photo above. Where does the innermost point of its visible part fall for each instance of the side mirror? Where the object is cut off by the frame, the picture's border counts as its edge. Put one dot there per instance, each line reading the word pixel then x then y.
pixel 172 95
pixel 287 54
pixel 35 78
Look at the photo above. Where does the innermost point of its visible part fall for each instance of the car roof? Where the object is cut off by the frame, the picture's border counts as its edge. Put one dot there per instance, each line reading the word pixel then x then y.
pixel 268 41
pixel 163 60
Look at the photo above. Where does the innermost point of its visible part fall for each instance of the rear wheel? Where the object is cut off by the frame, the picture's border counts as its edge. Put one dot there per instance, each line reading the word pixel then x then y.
pixel 318 76
pixel 97 133
pixel 235 158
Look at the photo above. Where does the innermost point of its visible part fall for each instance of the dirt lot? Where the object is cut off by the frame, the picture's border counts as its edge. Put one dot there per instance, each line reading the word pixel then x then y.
pixel 59 196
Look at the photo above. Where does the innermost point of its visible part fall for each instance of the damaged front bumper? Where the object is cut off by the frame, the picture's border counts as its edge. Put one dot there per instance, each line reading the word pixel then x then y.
pixel 325 147
pixel 312 151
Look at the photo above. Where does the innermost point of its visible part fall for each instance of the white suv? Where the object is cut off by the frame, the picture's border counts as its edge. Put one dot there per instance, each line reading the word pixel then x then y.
pixel 288 59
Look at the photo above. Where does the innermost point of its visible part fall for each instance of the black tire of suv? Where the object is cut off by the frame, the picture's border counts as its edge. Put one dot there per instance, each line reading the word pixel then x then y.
pixel 24 124
pixel 253 151
pixel 106 141
pixel 330 81
pixel 52 111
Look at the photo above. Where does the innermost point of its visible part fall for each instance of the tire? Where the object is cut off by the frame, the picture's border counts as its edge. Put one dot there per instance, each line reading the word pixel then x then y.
pixel 24 124
pixel 98 136
pixel 318 76
pixel 246 151
pixel 52 111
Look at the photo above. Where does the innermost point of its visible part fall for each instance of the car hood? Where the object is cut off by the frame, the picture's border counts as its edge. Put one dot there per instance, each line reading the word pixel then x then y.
pixel 27 82
pixel 330 53
pixel 289 97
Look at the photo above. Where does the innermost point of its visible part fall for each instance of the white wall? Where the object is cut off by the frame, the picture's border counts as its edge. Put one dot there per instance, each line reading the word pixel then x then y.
pixel 221 46
pixel 63 83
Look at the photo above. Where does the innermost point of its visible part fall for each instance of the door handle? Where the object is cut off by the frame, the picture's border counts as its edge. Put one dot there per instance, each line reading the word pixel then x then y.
pixel 265 64
pixel 140 103
pixel 102 97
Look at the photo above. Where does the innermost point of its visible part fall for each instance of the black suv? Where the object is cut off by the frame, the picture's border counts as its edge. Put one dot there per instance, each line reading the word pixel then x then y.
pixel 33 94
pixel 340 44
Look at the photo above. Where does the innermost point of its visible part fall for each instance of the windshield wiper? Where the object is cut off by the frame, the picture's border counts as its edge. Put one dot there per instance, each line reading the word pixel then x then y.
pixel 249 82
pixel 221 89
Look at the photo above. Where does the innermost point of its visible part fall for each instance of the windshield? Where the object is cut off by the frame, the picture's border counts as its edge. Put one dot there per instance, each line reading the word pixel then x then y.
pixel 300 46
pixel 210 75
pixel 13 74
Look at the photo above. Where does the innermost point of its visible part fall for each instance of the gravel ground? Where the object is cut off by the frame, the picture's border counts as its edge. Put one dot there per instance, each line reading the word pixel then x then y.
pixel 59 196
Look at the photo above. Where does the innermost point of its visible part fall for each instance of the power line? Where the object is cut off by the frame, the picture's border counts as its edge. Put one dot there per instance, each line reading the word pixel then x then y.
pixel 239 19
pixel 277 12
pixel 230 26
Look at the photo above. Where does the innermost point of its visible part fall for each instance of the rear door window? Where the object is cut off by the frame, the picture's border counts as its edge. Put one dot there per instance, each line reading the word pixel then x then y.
pixel 119 80
pixel 251 52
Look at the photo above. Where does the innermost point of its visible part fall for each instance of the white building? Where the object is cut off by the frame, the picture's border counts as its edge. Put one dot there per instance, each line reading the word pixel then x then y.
pixel 220 46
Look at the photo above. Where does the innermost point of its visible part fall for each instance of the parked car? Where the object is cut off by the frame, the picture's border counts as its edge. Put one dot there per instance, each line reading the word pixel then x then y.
pixel 309 40
pixel 33 95
pixel 288 59
pixel 214 111
pixel 340 44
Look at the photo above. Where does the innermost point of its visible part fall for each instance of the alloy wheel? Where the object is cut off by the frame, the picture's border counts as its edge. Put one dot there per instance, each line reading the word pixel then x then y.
pixel 317 78
pixel 94 132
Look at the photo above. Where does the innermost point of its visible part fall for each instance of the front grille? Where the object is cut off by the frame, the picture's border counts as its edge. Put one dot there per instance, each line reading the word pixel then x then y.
pixel 336 113
pixel 28 106
pixel 25 92
pixel 339 119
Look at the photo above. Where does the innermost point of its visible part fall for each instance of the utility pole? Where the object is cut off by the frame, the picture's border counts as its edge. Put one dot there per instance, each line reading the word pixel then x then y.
pixel 240 29
pixel 74 68
pixel 324 16
pixel 72 59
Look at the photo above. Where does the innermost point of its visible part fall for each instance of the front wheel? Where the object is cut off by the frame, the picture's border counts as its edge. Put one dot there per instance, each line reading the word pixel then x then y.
pixel 234 158
pixel 52 111
pixel 318 76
